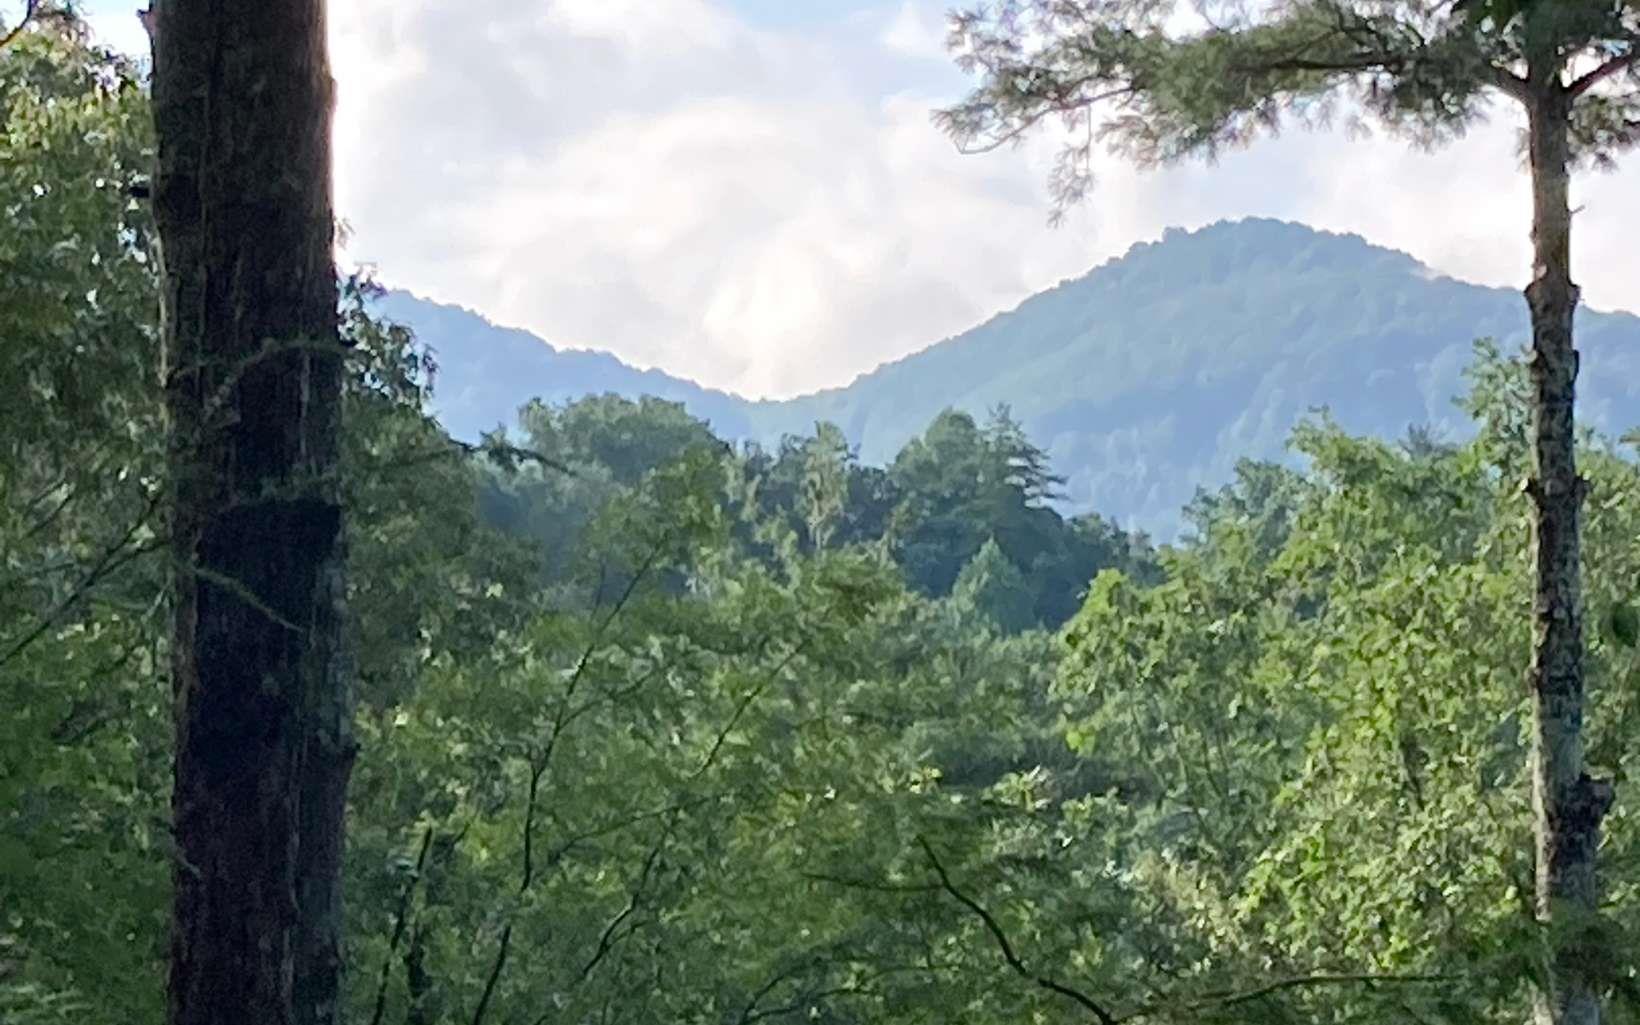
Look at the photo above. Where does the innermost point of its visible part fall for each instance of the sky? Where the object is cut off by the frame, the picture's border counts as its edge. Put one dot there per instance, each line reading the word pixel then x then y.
pixel 751 194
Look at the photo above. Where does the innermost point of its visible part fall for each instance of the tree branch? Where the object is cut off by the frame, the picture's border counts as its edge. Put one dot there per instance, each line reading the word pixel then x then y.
pixel 564 847
pixel 1230 998
pixel 1046 982
pixel 740 709
pixel 1510 84
pixel 29 11
pixel 606 941
pixel 112 559
pixel 869 884
pixel 494 976
pixel 1615 66
pixel 538 765
pixel 498 451
pixel 1359 62
pixel 1059 106
pixel 400 919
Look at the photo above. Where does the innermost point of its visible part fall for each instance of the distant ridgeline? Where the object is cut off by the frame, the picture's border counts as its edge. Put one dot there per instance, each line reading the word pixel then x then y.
pixel 1145 379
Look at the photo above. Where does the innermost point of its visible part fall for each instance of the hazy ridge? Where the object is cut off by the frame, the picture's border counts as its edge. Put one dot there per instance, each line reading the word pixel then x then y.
pixel 1146 378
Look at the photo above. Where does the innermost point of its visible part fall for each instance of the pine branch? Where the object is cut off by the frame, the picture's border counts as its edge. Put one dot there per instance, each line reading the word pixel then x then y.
pixel 1611 68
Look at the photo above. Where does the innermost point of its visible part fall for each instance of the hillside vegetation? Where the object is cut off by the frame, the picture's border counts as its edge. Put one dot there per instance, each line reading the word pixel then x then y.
pixel 651 723
pixel 1145 379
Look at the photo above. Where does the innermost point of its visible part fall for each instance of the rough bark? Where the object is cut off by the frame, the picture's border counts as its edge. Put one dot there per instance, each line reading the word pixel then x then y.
pixel 1567 804
pixel 253 368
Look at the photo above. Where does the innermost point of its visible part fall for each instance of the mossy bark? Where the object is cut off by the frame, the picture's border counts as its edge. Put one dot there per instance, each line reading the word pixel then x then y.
pixel 242 99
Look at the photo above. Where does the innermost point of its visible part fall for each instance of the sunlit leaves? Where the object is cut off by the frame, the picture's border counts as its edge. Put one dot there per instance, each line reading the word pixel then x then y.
pixel 1361 673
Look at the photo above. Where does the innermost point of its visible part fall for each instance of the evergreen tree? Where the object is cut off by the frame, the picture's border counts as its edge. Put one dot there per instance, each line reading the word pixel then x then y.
pixel 1123 72
pixel 995 588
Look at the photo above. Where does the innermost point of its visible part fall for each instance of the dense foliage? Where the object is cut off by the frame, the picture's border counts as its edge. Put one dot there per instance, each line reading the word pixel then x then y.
pixel 656 728
pixel 951 493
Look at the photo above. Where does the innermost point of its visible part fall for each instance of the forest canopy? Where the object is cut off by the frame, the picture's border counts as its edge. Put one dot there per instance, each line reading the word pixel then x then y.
pixel 655 727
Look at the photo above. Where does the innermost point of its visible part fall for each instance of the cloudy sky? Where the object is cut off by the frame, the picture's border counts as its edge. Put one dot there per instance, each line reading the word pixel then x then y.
pixel 750 193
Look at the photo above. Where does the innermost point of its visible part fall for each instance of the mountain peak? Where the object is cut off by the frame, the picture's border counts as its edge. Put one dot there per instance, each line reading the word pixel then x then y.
pixel 1256 245
pixel 1148 377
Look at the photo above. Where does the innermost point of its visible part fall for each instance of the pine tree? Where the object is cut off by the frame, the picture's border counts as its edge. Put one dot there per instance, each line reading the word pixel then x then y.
pixel 993 587
pixel 1125 74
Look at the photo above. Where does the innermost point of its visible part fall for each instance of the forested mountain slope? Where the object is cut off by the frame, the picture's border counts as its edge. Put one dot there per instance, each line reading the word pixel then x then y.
pixel 1144 379
pixel 653 728
pixel 487 372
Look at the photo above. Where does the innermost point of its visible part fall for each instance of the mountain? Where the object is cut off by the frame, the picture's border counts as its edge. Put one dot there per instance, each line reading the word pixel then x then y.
pixel 1145 378
pixel 486 372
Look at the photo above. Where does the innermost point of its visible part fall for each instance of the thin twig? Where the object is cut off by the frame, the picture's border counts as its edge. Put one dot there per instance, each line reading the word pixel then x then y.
pixel 116 556
pixel 538 765
pixel 1230 998
pixel 606 941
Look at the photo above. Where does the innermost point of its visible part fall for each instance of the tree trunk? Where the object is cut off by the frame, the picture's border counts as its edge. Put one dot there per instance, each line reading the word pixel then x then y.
pixel 1567 804
pixel 242 107
pixel 425 1005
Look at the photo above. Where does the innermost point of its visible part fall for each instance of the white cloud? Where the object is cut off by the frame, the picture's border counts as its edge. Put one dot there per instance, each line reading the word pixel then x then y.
pixel 644 27
pixel 772 211
pixel 917 29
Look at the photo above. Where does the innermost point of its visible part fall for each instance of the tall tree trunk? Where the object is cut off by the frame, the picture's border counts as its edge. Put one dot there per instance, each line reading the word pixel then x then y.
pixel 1567 804
pixel 242 107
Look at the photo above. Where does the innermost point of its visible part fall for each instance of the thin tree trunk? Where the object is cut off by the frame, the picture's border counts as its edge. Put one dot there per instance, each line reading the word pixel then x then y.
pixel 242 108
pixel 425 1004
pixel 1567 804
pixel 418 983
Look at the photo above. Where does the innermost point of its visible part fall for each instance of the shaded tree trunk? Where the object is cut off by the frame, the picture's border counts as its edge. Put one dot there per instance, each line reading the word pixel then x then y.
pixel 1568 805
pixel 242 100
pixel 425 1004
